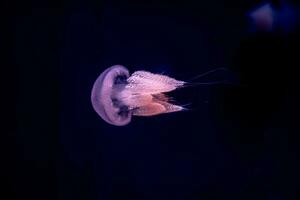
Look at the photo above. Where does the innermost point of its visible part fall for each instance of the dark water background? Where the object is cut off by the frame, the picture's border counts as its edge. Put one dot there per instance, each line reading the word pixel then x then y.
pixel 241 141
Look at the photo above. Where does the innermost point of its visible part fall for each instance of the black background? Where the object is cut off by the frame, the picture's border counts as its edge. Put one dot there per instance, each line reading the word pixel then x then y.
pixel 239 142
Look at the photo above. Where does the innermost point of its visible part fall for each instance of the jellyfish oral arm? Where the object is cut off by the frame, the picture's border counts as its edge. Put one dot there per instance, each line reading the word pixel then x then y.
pixel 149 83
pixel 145 93
pixel 149 110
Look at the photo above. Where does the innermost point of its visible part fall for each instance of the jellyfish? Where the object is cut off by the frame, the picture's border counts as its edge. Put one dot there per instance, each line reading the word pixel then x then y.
pixel 117 96
pixel 270 16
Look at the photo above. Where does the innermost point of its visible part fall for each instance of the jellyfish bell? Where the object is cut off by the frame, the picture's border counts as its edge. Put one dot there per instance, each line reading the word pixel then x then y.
pixel 104 99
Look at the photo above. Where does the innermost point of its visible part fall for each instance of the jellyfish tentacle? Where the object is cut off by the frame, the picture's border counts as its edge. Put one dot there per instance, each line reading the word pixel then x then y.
pixel 207 73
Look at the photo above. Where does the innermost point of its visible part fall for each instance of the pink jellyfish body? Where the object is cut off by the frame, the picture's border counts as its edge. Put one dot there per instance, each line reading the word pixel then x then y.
pixel 117 95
